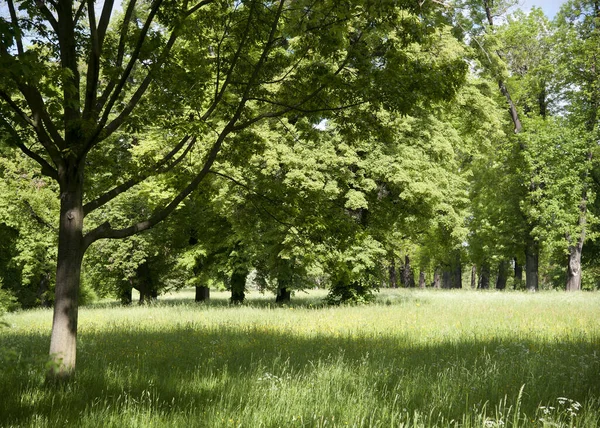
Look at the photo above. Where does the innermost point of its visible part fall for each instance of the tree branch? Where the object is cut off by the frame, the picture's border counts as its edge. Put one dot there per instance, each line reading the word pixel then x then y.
pixel 47 169
pixel 116 92
pixel 15 23
pixel 120 54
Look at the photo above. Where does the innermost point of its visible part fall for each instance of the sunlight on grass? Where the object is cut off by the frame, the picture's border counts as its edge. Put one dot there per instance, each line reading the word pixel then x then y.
pixel 415 358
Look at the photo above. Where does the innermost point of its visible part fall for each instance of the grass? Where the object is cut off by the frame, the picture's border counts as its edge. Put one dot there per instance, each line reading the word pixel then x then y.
pixel 415 358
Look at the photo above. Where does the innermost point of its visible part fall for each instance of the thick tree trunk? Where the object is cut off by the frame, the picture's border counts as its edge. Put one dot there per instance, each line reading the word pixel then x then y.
pixel 68 276
pixel 531 265
pixel 473 277
pixel 484 277
pixel 502 275
pixel 202 293
pixel 238 286
pixel 422 279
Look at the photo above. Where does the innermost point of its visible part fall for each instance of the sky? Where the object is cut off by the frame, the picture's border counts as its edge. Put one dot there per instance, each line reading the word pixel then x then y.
pixel 550 7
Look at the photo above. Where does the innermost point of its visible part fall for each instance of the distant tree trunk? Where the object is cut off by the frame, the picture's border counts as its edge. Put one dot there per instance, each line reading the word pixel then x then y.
pixel 422 279
pixel 145 285
pixel 43 290
pixel 408 277
pixel 393 274
pixel 518 271
pixel 531 265
pixel 125 295
pixel 202 293
pixel 437 283
pixel 446 279
pixel 238 285
pixel 283 295
pixel 575 249
pixel 474 277
pixel 457 273
pixel 502 275
pixel 484 277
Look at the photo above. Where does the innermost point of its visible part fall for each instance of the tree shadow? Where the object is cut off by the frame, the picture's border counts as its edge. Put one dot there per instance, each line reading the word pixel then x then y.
pixel 190 367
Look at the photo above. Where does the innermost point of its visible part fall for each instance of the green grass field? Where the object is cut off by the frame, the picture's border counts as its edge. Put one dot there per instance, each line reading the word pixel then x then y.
pixel 415 358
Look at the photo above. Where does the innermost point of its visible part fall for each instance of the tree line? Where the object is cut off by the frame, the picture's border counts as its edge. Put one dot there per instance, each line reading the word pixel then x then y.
pixel 345 144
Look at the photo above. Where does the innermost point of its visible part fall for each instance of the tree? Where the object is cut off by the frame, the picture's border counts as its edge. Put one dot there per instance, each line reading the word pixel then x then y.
pixel 205 70
pixel 578 36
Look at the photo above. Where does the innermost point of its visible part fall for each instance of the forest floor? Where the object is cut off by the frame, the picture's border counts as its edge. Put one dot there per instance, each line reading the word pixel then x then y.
pixel 414 358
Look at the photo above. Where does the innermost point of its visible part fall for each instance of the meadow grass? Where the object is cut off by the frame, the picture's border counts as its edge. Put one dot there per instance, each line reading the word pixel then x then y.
pixel 415 358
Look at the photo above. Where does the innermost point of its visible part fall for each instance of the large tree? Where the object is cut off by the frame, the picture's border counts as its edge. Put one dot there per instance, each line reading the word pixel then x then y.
pixel 80 85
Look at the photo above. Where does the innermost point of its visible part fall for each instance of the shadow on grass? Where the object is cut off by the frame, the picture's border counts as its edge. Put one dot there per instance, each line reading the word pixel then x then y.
pixel 300 300
pixel 200 372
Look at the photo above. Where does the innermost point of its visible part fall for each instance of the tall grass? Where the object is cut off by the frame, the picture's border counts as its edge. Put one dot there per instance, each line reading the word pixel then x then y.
pixel 416 358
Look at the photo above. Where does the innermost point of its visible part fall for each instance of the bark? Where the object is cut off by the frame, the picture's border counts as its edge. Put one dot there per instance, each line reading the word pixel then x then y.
pixel 473 277
pixel 531 265
pixel 484 277
pixel 68 276
pixel 502 275
pixel 238 285
pixel 422 279
pixel 202 293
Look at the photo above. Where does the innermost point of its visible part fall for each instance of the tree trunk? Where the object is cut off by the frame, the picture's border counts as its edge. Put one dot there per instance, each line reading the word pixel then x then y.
pixel 457 274
pixel 531 265
pixel 238 285
pixel 126 295
pixel 283 295
pixel 43 290
pixel 436 279
pixel 202 293
pixel 145 285
pixel 422 279
pixel 502 275
pixel 63 340
pixel 393 275
pixel 446 279
pixel 408 277
pixel 473 277
pixel 574 268
pixel 518 273
pixel 484 277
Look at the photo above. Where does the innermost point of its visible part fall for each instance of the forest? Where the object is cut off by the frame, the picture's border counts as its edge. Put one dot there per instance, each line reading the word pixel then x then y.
pixel 293 144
